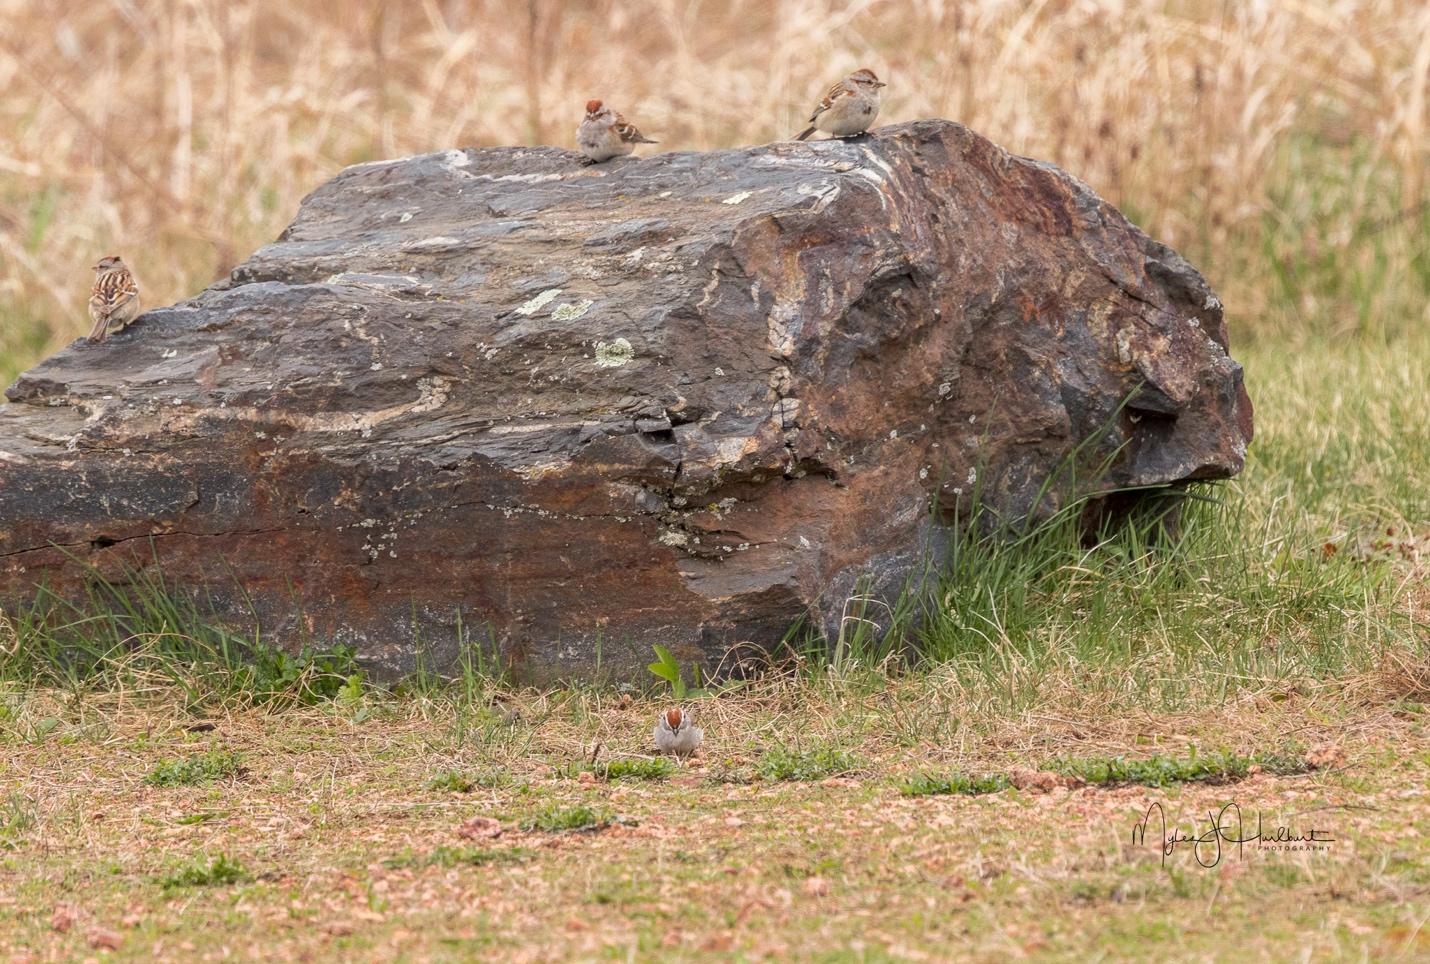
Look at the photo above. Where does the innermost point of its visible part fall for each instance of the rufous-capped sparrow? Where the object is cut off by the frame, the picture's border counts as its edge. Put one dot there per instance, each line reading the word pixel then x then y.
pixel 848 108
pixel 605 134
pixel 114 301
pixel 676 732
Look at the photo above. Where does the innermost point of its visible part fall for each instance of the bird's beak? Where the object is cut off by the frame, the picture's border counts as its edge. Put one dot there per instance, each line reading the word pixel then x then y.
pixel 880 83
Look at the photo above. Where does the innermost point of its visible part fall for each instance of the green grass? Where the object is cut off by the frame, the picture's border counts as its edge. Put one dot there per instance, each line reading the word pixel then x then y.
pixel 23 340
pixel 129 633
pixel 1162 771
pixel 658 768
pixel 1341 247
pixel 458 857
pixel 195 769
pixel 930 785
pixel 784 763
pixel 456 781
pixel 221 871
pixel 17 817
pixel 559 819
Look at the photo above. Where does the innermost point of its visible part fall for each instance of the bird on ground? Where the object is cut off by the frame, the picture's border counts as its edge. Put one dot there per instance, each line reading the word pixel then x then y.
pixel 114 300
pixel 605 134
pixel 848 108
pixel 676 732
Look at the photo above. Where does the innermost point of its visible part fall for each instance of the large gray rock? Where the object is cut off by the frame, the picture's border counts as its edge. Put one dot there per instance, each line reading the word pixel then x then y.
pixel 683 399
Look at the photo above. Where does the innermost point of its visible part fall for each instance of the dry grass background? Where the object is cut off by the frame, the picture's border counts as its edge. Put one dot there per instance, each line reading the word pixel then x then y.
pixel 1283 145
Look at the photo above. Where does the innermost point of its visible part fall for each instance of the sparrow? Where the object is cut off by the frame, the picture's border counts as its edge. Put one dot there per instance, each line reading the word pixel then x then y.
pixel 675 733
pixel 114 302
pixel 848 108
pixel 605 134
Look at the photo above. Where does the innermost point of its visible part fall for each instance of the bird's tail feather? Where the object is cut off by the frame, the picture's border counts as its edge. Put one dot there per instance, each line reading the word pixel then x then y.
pixel 804 134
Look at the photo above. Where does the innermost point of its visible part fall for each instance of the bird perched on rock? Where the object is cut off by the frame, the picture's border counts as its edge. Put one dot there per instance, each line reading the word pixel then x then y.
pixel 605 134
pixel 848 108
pixel 676 733
pixel 114 301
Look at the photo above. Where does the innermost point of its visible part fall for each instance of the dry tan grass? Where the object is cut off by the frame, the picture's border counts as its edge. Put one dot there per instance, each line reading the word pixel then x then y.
pixel 184 132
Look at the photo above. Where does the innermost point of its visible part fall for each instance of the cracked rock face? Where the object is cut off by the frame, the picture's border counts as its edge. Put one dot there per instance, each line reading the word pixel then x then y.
pixel 682 400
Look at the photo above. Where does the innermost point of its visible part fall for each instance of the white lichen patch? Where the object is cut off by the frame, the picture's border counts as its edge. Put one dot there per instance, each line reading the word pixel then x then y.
pixel 440 242
pixel 1212 303
pixel 1124 346
pixel 540 301
pixel 572 310
pixel 525 178
pixel 406 216
pixel 614 354
pixel 673 538
pixel 169 353
pixel 455 159
pixel 823 192
pixel 433 392
pixel 373 281
pixel 738 198
pixel 876 160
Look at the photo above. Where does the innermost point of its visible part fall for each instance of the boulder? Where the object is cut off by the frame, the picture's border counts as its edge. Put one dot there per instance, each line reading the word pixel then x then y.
pixel 578 410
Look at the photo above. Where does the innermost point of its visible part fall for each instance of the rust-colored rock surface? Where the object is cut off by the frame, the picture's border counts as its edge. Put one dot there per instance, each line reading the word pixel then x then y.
pixel 683 399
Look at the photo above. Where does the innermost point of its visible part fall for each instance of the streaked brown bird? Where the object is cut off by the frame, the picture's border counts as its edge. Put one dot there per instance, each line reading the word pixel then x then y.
pixel 114 302
pixel 605 134
pixel 847 108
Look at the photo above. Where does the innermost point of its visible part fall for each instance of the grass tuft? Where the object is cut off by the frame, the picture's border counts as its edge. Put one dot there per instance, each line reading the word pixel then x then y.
pixel 191 770
pixel 557 819
pixel 928 785
pixel 782 763
pixel 1161 771
pixel 458 857
pixel 658 768
pixel 221 871
pixel 134 631
pixel 455 781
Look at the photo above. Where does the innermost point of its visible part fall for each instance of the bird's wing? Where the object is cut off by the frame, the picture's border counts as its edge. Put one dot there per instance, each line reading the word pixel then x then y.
pixel 112 291
pixel 628 133
pixel 836 91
